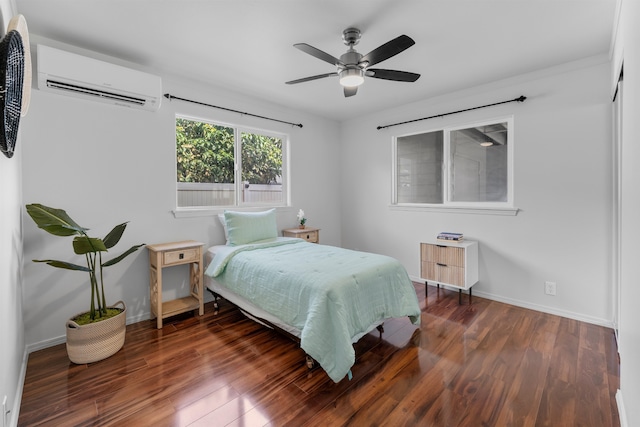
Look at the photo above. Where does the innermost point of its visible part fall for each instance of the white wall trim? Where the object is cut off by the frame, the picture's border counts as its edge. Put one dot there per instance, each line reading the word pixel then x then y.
pixel 621 411
pixel 544 309
pixel 17 401
pixel 550 310
pixel 484 210
pixel 41 345
pixel 212 211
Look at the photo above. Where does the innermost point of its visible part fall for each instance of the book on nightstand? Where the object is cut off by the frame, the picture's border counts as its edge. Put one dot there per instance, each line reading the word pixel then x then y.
pixel 450 237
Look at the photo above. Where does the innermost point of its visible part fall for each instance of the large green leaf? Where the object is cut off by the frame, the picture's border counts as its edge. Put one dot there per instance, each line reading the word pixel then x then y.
pixel 85 244
pixel 114 235
pixel 63 264
pixel 123 256
pixel 54 221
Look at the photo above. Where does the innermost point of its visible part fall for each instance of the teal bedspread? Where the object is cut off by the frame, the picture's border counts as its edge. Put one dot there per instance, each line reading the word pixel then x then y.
pixel 330 294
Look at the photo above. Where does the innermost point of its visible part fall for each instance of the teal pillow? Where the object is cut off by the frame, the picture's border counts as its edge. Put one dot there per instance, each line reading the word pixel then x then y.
pixel 248 227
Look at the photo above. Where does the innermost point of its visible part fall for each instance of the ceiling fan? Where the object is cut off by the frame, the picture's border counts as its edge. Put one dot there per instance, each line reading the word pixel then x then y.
pixel 352 66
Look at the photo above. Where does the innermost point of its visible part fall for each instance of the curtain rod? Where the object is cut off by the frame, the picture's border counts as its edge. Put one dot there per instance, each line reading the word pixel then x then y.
pixel 171 97
pixel 519 99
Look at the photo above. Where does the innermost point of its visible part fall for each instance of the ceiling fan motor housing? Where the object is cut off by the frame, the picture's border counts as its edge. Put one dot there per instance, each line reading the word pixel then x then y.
pixel 351 36
pixel 350 58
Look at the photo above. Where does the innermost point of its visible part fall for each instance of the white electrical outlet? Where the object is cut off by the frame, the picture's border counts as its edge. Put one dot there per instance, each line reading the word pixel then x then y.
pixel 550 288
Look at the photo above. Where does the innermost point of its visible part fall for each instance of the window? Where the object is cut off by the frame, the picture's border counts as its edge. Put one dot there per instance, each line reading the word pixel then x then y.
pixel 468 166
pixel 222 165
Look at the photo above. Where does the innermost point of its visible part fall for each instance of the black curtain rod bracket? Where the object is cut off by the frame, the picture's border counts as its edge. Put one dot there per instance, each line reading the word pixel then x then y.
pixel 518 99
pixel 171 97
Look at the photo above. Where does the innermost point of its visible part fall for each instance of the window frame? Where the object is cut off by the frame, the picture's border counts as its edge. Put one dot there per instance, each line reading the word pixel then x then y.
pixel 188 211
pixel 447 205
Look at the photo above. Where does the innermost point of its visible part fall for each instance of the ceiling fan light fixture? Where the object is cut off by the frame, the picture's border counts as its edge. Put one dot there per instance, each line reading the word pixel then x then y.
pixel 351 77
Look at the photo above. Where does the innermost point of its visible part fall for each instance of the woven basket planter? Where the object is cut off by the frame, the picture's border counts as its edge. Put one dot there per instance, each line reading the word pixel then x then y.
pixel 96 341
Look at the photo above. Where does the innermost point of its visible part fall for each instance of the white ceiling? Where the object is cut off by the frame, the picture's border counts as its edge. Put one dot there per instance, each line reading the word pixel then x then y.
pixel 247 45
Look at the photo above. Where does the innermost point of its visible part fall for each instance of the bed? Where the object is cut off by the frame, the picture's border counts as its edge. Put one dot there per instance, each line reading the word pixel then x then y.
pixel 326 296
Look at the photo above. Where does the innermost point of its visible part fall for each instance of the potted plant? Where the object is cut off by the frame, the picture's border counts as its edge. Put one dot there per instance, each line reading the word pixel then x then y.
pixel 99 332
pixel 301 219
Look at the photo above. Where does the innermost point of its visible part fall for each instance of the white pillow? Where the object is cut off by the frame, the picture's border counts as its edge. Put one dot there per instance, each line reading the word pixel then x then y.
pixel 248 227
pixel 224 226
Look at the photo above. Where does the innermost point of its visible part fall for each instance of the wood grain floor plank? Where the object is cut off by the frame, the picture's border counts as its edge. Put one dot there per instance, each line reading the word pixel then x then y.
pixel 425 393
pixel 189 411
pixel 64 413
pixel 447 411
pixel 485 364
pixel 613 370
pixel 558 404
pixel 565 351
pixel 229 413
pixel 592 406
pixel 485 403
pixel 376 412
pixel 159 413
pixel 525 392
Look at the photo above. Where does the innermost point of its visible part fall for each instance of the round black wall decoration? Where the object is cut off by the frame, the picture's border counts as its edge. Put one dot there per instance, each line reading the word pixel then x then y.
pixel 11 81
pixel 19 24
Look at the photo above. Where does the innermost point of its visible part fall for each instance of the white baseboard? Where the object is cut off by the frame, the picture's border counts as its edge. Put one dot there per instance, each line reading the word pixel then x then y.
pixel 40 345
pixel 536 307
pixel 17 401
pixel 621 411
pixel 549 310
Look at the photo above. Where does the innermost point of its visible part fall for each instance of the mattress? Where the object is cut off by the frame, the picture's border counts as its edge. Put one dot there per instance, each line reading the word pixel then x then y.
pixel 247 307
pixel 327 296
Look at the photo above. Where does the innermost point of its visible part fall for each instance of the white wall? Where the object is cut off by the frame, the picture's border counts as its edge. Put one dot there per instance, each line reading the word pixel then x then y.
pixel 12 356
pixel 105 164
pixel 630 272
pixel 562 188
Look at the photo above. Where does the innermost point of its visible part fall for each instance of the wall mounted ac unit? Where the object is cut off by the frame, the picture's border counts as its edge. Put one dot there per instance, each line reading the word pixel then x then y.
pixel 82 77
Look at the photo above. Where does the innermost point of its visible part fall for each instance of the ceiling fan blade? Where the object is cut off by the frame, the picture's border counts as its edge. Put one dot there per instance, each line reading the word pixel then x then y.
pixel 387 50
pixel 308 79
pixel 317 53
pixel 350 91
pixel 398 76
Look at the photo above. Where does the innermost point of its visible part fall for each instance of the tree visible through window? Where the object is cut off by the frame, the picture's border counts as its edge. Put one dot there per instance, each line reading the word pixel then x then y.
pixel 205 152
pixel 210 173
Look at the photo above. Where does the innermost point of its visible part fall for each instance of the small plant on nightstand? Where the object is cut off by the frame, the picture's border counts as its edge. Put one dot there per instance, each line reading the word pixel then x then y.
pixel 301 219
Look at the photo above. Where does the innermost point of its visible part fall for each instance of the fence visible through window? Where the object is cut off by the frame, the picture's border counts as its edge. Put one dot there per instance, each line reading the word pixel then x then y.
pixel 195 194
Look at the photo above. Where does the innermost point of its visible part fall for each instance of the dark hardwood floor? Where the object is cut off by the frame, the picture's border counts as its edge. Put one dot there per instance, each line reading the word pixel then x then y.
pixel 485 364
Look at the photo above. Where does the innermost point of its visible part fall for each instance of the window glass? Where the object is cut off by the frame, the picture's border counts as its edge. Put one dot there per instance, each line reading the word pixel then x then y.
pixel 419 166
pixel 261 168
pixel 211 173
pixel 479 164
pixel 456 166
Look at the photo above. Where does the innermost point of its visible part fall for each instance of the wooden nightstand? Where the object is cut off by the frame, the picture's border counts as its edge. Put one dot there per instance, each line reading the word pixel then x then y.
pixel 309 234
pixel 167 255
pixel 452 264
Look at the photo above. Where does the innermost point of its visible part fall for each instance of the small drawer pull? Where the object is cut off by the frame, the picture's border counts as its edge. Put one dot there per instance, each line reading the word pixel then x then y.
pixel 441 265
pixel 188 255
